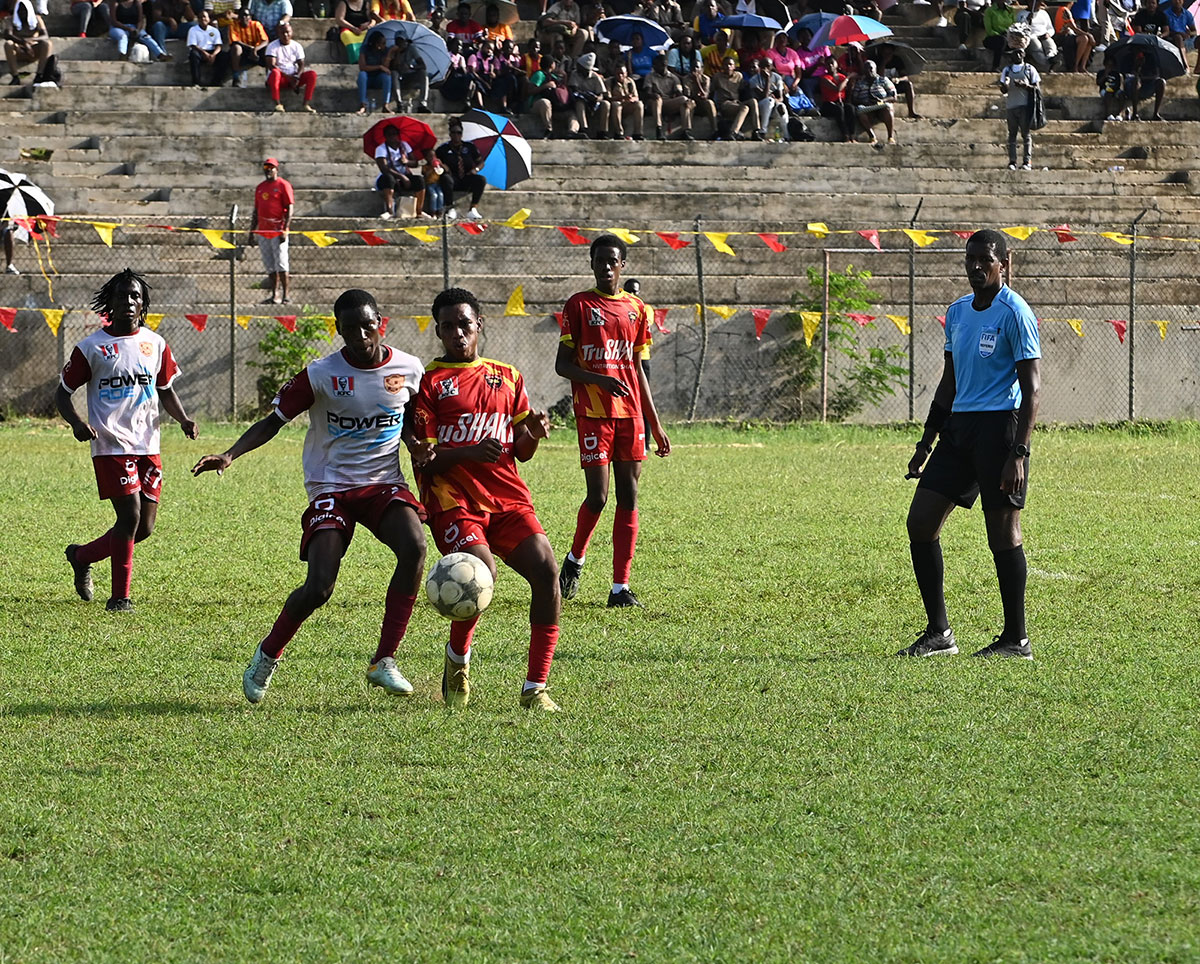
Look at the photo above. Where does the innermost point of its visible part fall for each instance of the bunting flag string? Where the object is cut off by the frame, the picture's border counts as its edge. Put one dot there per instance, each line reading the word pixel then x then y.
pixel 199 322
pixel 872 236
pixel 371 238
pixel 330 325
pixel 105 231
pixel 862 319
pixel 901 322
pixel 720 242
pixel 421 234
pixel 288 322
pixel 54 317
pixel 1021 232
pixel 810 320
pixel 1076 326
pixel 1162 329
pixel 154 320
pixel 1119 327
pixel 625 235
pixel 320 238
pixel 243 321
pixel 672 240
pixel 471 227
pixel 818 229
pixel 573 235
pixel 660 318
pixel 1063 233
pixel 216 238
pixel 922 239
pixel 772 241
pixel 517 220
pixel 383 323
pixel 724 311
pixel 965 235
pixel 516 302
pixel 423 322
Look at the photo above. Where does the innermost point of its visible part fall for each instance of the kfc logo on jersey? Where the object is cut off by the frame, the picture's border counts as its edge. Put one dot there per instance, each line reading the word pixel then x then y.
pixel 596 319
pixel 109 351
pixel 393 383
pixel 147 349
pixel 343 385
pixel 447 388
pixel 493 381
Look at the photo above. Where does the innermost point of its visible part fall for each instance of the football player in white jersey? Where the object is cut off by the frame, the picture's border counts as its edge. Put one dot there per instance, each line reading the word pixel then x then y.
pixel 128 371
pixel 356 400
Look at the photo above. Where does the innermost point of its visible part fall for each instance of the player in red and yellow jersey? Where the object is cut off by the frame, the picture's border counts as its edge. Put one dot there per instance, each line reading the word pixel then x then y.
pixel 605 333
pixel 472 421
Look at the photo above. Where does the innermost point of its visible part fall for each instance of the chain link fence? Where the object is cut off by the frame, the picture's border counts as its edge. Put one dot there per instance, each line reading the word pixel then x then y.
pixel 736 307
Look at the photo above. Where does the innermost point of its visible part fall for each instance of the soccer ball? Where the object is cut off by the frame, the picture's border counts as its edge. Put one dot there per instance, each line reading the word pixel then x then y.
pixel 459 586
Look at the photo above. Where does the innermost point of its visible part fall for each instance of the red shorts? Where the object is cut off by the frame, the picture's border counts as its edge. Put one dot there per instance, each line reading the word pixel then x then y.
pixel 604 440
pixel 341 510
pixel 456 529
pixel 118 475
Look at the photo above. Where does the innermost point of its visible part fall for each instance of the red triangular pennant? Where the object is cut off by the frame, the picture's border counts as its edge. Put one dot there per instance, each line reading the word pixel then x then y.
pixel 672 240
pixel 573 235
pixel 199 322
pixel 871 235
pixel 965 235
pixel 288 321
pixel 1063 233
pixel 859 317
pixel 165 227
pixel 383 323
pixel 471 227
pixel 7 317
pixel 941 320
pixel 761 317
pixel 772 241
pixel 49 224
pixel 371 237
pixel 1119 327
pixel 558 316
pixel 660 319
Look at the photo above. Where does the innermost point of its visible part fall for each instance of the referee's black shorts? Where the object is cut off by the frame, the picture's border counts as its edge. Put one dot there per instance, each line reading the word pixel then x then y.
pixel 969 459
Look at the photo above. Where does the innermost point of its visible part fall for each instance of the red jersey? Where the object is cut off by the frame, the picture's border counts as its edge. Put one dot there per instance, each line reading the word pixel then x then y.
pixel 271 201
pixel 461 403
pixel 608 333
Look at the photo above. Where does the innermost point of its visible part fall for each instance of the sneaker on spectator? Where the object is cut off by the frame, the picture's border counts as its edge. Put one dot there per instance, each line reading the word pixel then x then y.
pixel 474 215
pixel 386 216
pixel 452 215
pixel 943 22
pixel 962 48
pixel 12 269
pixel 1012 167
pixel 279 108
pixel 310 108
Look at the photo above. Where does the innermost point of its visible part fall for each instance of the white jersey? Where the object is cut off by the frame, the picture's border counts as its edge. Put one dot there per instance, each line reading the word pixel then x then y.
pixel 124 374
pixel 355 418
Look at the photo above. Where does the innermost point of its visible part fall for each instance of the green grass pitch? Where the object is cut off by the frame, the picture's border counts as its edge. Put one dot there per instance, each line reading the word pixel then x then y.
pixel 741 771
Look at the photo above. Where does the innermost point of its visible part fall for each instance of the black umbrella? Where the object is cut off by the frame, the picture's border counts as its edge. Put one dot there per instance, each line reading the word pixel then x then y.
pixel 914 63
pixel 1165 54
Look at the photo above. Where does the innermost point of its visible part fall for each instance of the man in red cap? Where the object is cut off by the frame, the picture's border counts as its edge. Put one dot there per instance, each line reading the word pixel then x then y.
pixel 274 201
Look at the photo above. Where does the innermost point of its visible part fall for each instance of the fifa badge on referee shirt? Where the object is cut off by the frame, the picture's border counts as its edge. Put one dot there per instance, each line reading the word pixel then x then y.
pixel 987 342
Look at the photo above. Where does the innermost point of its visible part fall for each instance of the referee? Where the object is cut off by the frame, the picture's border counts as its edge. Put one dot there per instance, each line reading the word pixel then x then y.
pixel 983 410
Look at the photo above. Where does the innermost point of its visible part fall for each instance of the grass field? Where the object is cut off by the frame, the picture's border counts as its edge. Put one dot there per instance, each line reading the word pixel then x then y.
pixel 740 772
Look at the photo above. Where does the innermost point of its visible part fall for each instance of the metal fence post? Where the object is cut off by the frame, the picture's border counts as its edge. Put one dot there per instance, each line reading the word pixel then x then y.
pixel 703 325
pixel 445 251
pixel 1132 301
pixel 233 213
pixel 912 311
pixel 825 342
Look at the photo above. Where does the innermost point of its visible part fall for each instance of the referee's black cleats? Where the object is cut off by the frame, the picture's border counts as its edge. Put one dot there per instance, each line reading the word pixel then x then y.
pixel 932 642
pixel 1013 648
pixel 83 574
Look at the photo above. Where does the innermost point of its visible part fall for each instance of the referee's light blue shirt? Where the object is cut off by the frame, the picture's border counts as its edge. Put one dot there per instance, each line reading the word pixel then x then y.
pixel 986 346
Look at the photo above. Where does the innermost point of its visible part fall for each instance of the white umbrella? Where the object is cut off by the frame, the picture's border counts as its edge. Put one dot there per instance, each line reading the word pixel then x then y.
pixel 21 198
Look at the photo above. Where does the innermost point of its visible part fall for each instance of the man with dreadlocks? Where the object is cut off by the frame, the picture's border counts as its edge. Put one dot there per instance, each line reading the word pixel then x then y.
pixel 128 369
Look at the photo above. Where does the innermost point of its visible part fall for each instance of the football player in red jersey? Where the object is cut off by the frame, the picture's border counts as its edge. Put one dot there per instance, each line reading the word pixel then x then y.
pixel 356 400
pixel 129 370
pixel 472 423
pixel 605 332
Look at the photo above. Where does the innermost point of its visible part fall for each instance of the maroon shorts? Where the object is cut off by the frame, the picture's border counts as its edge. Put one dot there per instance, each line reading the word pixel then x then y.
pixel 118 475
pixel 457 529
pixel 604 440
pixel 342 510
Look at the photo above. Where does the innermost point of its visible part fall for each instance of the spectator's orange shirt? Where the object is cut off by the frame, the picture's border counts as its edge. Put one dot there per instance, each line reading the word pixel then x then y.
pixel 394 10
pixel 501 31
pixel 252 35
pixel 1062 18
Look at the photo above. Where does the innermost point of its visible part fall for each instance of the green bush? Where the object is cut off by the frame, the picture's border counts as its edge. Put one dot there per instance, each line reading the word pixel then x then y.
pixel 284 353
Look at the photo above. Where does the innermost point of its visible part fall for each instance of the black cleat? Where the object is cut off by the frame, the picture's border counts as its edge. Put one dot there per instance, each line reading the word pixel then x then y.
pixel 568 578
pixel 83 574
pixel 1015 649
pixel 623 599
pixel 932 642
pixel 119 605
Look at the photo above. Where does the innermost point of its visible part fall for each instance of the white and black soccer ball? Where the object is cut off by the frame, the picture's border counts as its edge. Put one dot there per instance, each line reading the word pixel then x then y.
pixel 459 586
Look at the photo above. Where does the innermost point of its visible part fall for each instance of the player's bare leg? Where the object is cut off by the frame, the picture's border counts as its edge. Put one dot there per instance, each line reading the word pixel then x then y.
pixel 595 477
pixel 1004 539
pixel 625 530
pixel 399 530
pixel 926 516
pixel 456 671
pixel 533 560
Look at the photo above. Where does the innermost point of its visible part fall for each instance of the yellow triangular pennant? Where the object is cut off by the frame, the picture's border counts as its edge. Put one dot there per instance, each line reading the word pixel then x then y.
pixel 216 238
pixel 1162 329
pixel 517 220
pixel 243 320
pixel 421 234
pixel 516 302
pixel 922 239
pixel 319 238
pixel 330 324
pixel 811 321
pixel 718 241
pixel 1117 236
pixel 723 310
pixel 1019 231
pixel 153 321
pixel 1076 326
pixel 901 322
pixel 699 314
pixel 105 231
pixel 54 317
pixel 423 321
pixel 818 228
pixel 625 235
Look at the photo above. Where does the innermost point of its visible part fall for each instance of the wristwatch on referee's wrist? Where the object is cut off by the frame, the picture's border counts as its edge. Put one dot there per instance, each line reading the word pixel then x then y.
pixel 1021 451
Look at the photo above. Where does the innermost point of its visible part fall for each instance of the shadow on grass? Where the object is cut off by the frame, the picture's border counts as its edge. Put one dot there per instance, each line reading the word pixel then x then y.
pixel 135 709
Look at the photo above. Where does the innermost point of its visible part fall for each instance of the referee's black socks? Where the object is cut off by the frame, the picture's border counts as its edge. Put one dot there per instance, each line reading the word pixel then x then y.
pixel 1011 573
pixel 928 568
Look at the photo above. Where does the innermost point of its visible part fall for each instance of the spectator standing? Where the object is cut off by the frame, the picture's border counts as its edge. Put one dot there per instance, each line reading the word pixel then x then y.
pixel 663 93
pixel 1018 81
pixel 247 42
pixel 374 70
pixel 967 18
pixel 274 202
pixel 284 60
pixel 26 40
pixel 271 13
pixel 84 10
pixel 205 49
pixel 460 162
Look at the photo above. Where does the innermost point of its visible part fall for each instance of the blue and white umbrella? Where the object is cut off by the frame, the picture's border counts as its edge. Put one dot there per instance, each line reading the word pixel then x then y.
pixel 812 22
pixel 620 31
pixel 751 21
pixel 430 47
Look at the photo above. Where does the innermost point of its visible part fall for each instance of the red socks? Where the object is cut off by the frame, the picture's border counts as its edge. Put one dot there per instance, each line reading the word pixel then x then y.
pixel 95 550
pixel 396 612
pixel 625 529
pixel 461 631
pixel 280 635
pixel 121 555
pixel 585 525
pixel 542 640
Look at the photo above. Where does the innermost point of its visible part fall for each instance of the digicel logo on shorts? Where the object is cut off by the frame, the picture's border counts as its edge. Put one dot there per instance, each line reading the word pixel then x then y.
pixel 614 350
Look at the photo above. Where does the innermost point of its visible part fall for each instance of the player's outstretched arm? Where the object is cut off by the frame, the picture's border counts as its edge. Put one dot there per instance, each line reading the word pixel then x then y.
pixel 82 431
pixel 662 444
pixel 527 435
pixel 170 401
pixel 565 367
pixel 260 433
pixel 939 411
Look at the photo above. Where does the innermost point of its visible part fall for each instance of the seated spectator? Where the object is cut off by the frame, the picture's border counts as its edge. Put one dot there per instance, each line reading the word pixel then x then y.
pixel 394 10
pixel 170 20
pixel 786 61
pixel 587 37
pixel 1042 49
pixel 127 20
pixel 1076 43
pixel 834 101
pixel 1018 81
pixel 437 20
pixel 482 68
pixel 717 52
pixel 205 49
pixel 460 163
pixel 548 93
pixel 708 21
pixel 812 61
pixel 531 56
pixel 7 230
pixel 590 96
pixel 639 59
pixel 394 157
pixel 1181 26
pixel 1145 81
pixel 697 85
pixel 495 30
pixel 996 21
pixel 462 27
pixel 726 95
pixel 26 41
pixel 668 14
pixel 765 89
pixel 284 60
pixel 892 66
pixel 247 42
pixel 752 49
pixel 375 70
pixel 509 85
pixel 410 73
pixel 562 20
pixel 1111 83
pixel 352 19
pixel 683 57
pixel 271 13
pixel 84 10
pixel 626 105
pixel 457 82
pixel 873 97
pixel 967 18
pixel 1150 19
pixel 662 92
